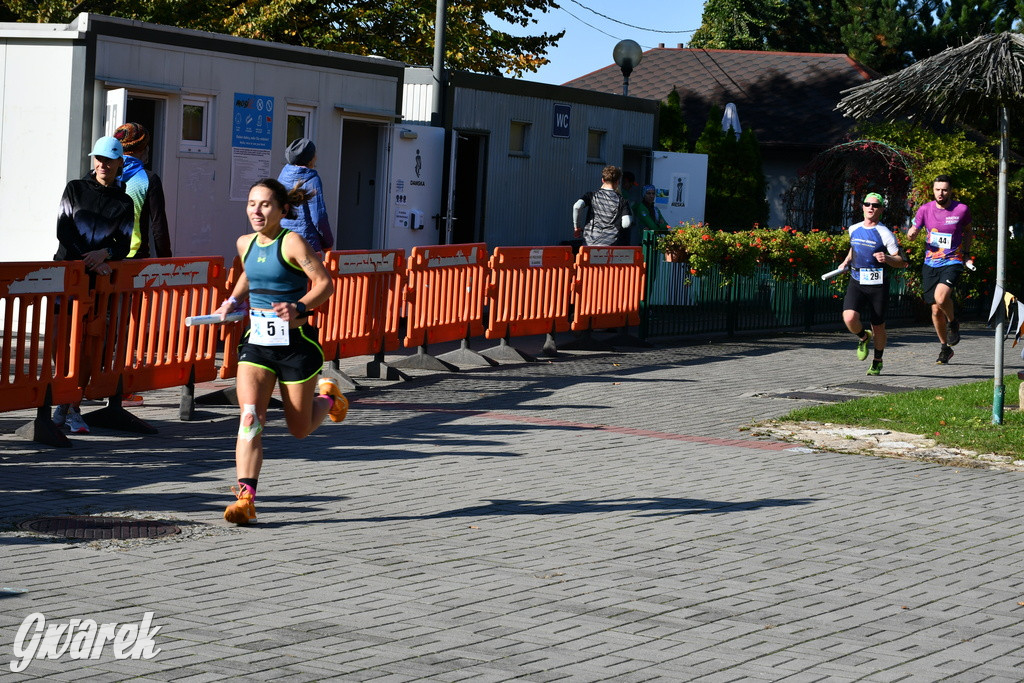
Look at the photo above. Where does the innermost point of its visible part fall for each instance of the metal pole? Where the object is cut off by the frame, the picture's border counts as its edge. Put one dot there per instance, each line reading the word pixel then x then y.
pixel 998 390
pixel 437 115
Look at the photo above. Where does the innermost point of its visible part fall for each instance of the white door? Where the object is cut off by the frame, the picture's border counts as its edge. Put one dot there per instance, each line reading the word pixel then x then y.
pixel 681 181
pixel 116 111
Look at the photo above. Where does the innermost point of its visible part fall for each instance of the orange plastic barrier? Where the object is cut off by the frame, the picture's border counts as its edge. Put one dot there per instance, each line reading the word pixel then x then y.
pixel 529 291
pixel 608 288
pixel 137 334
pixel 362 316
pixel 230 333
pixel 42 310
pixel 445 293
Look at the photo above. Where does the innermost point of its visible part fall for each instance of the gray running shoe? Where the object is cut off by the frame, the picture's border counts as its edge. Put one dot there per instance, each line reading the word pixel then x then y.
pixel 60 415
pixel 76 423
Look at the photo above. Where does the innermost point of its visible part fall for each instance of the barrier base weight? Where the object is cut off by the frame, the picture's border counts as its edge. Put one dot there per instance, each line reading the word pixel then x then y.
pixel 343 380
pixel 378 369
pixel 421 360
pixel 505 352
pixel 228 397
pixel 113 416
pixel 42 430
pixel 466 356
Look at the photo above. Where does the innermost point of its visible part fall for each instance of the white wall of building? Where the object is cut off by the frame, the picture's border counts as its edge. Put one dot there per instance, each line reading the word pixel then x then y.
pixel 169 66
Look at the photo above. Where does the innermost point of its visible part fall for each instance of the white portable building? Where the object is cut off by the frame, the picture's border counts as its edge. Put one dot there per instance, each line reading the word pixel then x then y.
pixel 221 111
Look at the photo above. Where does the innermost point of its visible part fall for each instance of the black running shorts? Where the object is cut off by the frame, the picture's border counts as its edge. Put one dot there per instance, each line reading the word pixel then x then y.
pixel 932 276
pixel 875 297
pixel 300 361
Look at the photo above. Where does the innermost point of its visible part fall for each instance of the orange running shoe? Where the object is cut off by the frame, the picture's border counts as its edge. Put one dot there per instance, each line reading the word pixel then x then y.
pixel 339 409
pixel 242 511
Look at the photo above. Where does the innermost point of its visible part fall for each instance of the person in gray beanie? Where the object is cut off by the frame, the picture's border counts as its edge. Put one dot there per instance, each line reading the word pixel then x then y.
pixel 311 219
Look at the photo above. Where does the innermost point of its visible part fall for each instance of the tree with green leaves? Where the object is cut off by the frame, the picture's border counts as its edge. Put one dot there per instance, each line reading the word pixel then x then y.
pixel 736 184
pixel 737 24
pixel 673 135
pixel 402 30
pixel 885 35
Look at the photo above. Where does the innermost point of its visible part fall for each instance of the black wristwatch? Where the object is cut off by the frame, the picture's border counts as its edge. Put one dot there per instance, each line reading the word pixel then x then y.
pixel 300 308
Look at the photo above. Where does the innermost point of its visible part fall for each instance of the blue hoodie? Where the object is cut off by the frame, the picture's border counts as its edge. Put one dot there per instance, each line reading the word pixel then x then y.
pixel 312 222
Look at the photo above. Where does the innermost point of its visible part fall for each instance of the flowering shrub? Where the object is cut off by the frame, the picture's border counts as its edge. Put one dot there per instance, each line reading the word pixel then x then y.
pixel 788 254
pixel 804 256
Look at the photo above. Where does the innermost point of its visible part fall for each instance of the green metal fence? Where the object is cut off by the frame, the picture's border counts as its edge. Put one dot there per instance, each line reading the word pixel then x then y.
pixel 677 303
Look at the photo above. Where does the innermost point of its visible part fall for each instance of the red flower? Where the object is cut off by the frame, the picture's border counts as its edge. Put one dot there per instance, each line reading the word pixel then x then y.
pixel 705 237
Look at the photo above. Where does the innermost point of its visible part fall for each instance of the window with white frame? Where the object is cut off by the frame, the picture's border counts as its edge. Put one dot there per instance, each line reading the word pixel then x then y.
pixel 518 138
pixel 300 123
pixel 196 126
pixel 595 145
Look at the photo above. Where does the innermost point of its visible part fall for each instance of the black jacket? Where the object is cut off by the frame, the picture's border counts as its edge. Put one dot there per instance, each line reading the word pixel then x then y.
pixel 93 216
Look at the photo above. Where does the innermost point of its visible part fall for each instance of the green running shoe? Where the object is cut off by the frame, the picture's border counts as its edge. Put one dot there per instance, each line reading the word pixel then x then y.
pixel 876 368
pixel 862 346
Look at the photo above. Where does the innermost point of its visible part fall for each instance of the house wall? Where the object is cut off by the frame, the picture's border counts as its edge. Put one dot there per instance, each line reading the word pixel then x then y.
pixel 34 142
pixel 166 65
pixel 530 195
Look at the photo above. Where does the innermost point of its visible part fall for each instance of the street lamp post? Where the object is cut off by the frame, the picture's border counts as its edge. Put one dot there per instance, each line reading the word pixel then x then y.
pixel 627 54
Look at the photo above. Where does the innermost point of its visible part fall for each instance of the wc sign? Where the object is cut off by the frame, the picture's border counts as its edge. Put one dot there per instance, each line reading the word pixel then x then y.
pixel 560 129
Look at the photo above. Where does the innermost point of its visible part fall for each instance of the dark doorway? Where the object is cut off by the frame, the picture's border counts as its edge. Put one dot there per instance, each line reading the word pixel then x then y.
pixel 357 190
pixel 470 188
pixel 639 162
pixel 150 114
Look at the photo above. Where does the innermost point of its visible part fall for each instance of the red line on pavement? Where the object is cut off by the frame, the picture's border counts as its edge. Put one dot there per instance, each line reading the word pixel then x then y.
pixel 651 434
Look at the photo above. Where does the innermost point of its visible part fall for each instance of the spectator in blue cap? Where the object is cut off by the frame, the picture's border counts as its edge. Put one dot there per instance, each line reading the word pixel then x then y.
pixel 94 225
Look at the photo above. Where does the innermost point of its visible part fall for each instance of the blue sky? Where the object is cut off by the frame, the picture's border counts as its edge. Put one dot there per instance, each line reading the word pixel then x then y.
pixel 589 37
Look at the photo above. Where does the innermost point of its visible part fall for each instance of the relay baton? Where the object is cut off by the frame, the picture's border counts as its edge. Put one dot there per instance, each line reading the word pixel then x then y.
pixel 970 265
pixel 833 273
pixel 213 319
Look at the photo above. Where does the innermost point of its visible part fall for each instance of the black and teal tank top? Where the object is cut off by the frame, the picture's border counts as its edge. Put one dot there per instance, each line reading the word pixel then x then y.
pixel 271 277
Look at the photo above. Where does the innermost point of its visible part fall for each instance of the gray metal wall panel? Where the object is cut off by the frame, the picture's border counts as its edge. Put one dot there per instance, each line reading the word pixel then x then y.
pixel 529 198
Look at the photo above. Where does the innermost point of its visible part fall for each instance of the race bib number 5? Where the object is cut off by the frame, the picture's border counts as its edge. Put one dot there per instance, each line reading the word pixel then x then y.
pixel 266 329
pixel 871 276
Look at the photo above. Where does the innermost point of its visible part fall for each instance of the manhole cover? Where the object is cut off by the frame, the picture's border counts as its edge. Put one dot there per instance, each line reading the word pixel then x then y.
pixel 871 386
pixel 96 528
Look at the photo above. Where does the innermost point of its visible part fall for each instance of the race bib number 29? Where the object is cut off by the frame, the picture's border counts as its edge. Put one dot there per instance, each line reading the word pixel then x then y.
pixel 871 276
pixel 266 329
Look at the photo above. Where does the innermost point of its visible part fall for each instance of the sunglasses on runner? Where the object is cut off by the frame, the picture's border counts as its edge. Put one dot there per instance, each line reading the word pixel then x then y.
pixel 874 205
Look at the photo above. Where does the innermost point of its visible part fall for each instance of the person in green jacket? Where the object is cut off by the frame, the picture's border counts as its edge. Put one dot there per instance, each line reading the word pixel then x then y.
pixel 648 216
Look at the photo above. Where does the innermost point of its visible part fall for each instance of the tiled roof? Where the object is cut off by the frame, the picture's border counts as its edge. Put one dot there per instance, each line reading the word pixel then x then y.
pixel 788 98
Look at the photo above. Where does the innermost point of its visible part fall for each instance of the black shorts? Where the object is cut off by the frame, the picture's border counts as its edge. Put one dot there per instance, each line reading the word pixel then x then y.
pixel 931 276
pixel 300 361
pixel 875 297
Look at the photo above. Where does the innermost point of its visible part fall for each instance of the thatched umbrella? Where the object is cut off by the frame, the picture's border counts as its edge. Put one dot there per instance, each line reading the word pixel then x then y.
pixel 957 85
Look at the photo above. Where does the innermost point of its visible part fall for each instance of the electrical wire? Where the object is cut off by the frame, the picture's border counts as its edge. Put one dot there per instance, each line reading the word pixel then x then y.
pixel 612 19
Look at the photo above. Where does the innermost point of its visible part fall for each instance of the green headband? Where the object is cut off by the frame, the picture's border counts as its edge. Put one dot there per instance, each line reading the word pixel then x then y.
pixel 879 198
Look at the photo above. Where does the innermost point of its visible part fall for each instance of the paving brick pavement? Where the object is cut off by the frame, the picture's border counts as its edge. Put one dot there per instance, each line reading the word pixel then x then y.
pixel 601 516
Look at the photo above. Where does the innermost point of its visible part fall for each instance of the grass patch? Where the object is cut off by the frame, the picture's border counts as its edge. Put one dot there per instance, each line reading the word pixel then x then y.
pixel 958 416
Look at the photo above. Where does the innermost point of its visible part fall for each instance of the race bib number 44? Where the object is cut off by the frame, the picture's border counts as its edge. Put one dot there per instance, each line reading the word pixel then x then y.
pixel 942 240
pixel 266 329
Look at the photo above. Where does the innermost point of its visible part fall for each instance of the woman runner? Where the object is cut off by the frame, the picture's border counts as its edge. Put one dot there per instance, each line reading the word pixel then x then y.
pixel 279 346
